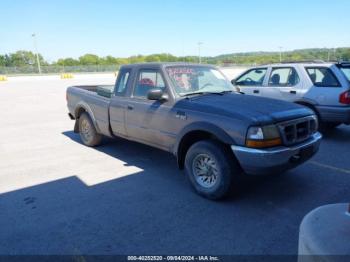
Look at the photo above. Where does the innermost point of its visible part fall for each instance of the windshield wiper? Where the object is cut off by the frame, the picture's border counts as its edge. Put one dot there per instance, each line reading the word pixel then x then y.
pixel 227 92
pixel 208 93
pixel 202 93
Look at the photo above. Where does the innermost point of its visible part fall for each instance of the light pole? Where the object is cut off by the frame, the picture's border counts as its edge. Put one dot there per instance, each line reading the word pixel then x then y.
pixel 199 52
pixel 36 53
pixel 329 55
pixel 280 47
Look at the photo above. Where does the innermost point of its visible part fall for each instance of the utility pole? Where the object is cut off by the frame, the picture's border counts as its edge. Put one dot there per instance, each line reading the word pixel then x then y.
pixel 199 52
pixel 329 55
pixel 280 47
pixel 36 52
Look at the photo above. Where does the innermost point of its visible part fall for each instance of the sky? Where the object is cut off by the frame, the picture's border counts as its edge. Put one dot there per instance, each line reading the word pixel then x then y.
pixel 71 28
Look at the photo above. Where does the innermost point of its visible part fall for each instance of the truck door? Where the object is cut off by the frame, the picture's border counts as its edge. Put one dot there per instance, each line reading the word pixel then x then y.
pixel 117 107
pixel 251 82
pixel 284 84
pixel 146 120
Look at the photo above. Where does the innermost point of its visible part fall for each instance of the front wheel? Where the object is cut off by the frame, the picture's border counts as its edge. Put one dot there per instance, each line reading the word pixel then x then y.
pixel 211 169
pixel 87 131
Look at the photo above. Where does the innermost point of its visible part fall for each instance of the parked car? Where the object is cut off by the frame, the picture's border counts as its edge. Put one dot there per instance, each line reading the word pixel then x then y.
pixel 322 87
pixel 193 112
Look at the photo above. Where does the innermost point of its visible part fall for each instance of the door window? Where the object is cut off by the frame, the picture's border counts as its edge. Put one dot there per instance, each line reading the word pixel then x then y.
pixel 322 77
pixel 254 77
pixel 286 76
pixel 147 81
pixel 122 82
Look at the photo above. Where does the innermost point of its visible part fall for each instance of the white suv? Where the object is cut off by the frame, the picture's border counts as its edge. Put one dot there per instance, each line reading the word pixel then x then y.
pixel 323 87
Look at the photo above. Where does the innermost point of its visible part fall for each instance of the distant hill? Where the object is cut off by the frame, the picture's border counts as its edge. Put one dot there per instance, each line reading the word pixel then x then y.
pixel 324 54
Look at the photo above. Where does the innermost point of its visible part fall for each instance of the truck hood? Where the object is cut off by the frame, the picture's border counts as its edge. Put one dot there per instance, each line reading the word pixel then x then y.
pixel 258 110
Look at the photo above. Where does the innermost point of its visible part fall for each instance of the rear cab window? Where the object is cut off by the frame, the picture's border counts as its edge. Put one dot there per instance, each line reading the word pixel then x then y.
pixel 284 77
pixel 322 77
pixel 253 77
pixel 122 82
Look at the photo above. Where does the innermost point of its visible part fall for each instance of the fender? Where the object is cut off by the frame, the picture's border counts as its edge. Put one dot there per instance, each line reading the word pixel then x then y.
pixel 219 133
pixel 308 103
pixel 87 109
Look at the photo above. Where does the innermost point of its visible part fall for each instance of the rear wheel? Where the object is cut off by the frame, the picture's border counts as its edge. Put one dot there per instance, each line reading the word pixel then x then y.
pixel 210 169
pixel 87 131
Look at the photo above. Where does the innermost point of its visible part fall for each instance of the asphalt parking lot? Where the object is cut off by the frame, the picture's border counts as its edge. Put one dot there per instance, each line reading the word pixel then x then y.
pixel 60 197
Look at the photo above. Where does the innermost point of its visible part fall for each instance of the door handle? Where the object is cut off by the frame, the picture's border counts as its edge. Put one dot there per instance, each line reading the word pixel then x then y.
pixel 256 91
pixel 293 92
pixel 130 107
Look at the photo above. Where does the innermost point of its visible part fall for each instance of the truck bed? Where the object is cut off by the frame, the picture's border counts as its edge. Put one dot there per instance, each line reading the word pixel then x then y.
pixel 95 100
pixel 101 90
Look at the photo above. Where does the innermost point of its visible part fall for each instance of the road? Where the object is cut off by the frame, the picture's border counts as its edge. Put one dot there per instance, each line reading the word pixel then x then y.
pixel 60 197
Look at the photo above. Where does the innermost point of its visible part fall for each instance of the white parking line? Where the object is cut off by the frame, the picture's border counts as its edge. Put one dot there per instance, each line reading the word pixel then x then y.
pixel 342 170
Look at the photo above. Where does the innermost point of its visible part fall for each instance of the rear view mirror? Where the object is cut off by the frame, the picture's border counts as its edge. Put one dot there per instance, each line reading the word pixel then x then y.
pixel 157 94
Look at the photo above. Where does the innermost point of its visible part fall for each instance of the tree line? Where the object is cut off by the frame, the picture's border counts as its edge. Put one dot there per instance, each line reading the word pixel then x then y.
pixel 27 58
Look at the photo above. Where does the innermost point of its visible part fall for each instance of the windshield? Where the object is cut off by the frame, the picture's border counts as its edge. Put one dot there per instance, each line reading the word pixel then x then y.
pixel 197 79
pixel 346 71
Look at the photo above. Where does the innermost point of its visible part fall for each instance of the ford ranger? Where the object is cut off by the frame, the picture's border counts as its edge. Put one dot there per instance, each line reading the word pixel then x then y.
pixel 194 112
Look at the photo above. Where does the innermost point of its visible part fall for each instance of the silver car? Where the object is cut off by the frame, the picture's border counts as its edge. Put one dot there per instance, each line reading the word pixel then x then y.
pixel 323 87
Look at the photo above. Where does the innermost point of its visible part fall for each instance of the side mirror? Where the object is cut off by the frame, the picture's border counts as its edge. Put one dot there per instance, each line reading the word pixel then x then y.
pixel 157 94
pixel 233 81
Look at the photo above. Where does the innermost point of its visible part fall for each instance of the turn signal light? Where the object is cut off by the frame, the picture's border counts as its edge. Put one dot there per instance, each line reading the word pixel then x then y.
pixel 264 143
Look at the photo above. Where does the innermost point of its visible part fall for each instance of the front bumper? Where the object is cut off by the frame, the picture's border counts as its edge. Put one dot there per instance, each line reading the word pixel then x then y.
pixel 272 160
pixel 339 114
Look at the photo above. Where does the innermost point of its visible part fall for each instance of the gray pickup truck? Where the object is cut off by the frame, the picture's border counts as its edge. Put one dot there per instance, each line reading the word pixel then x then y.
pixel 193 112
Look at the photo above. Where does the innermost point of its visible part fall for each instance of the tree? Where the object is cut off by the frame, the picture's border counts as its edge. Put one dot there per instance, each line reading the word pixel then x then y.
pixel 24 58
pixel 67 62
pixel 2 60
pixel 152 58
pixel 89 59
pixel 136 59
pixel 108 60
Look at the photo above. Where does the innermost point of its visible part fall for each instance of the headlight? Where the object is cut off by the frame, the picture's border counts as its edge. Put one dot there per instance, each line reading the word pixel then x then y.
pixel 262 137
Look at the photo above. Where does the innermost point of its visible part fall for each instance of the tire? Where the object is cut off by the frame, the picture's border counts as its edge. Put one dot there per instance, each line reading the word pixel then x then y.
pixel 210 157
pixel 87 131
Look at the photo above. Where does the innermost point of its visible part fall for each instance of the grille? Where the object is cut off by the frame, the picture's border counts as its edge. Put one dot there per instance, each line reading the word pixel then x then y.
pixel 298 130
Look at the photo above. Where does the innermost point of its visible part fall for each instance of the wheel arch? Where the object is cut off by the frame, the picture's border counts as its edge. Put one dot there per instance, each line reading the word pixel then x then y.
pixel 309 104
pixel 197 132
pixel 79 110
